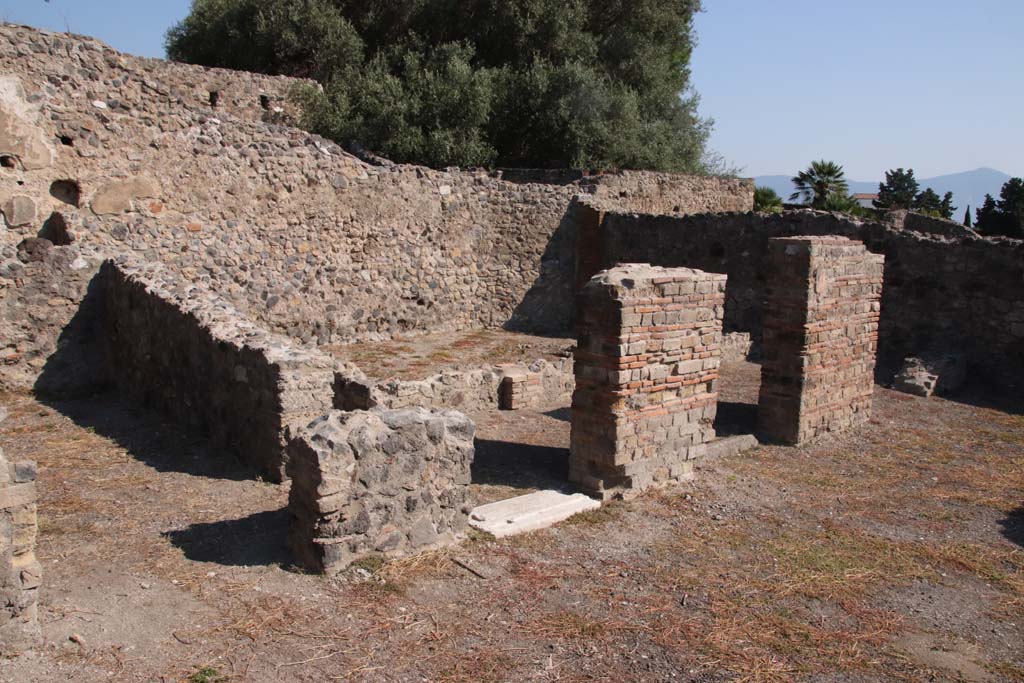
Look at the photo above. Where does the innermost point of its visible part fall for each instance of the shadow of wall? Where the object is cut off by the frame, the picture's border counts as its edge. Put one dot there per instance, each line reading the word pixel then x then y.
pixel 548 307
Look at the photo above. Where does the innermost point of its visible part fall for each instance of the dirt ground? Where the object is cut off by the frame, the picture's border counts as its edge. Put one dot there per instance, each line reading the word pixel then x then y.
pixel 890 554
pixel 419 356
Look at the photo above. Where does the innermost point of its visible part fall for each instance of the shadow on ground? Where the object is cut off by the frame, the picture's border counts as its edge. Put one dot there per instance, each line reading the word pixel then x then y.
pixel 150 438
pixel 1004 395
pixel 1013 526
pixel 258 539
pixel 501 463
pixel 734 419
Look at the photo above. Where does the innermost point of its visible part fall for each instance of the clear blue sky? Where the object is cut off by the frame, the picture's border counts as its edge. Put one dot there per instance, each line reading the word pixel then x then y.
pixel 937 85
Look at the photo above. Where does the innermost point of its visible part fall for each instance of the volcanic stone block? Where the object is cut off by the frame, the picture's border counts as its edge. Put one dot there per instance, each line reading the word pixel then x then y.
pixel 820 337
pixel 646 377
pixel 20 572
pixel 929 373
pixel 379 482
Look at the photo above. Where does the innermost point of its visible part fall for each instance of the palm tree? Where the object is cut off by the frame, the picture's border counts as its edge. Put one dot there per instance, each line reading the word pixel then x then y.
pixel 818 182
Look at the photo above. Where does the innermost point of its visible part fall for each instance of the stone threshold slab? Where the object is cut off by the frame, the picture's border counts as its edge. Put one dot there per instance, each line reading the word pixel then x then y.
pixel 530 512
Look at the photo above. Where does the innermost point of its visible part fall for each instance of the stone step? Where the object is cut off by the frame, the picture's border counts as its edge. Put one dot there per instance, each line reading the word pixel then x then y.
pixel 731 445
pixel 529 513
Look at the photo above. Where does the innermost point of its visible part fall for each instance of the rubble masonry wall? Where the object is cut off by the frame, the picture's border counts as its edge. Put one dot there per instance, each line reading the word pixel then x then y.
pixel 20 572
pixel 182 350
pixel 298 235
pixel 379 482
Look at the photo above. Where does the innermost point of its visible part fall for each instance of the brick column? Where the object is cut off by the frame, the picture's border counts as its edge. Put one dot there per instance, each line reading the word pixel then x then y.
pixel 19 571
pixel 820 337
pixel 646 377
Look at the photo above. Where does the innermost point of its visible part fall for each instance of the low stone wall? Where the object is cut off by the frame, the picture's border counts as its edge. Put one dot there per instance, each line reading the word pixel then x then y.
pixel 380 482
pixel 538 385
pixel 646 377
pixel 182 350
pixel 962 293
pixel 20 572
pixel 508 387
pixel 820 338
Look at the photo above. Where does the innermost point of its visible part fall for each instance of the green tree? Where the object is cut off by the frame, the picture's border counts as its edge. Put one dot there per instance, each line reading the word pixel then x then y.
pixel 820 180
pixel 1011 206
pixel 899 191
pixel 586 83
pixel 967 216
pixel 1004 217
pixel 946 208
pixel 927 202
pixel 767 200
pixel 986 217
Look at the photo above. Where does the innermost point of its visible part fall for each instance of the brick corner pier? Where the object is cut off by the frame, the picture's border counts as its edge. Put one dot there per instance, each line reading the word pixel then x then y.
pixel 820 337
pixel 646 377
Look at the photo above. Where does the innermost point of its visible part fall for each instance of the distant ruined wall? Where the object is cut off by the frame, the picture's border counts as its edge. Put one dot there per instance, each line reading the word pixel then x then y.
pixel 664 193
pixel 180 349
pixel 960 293
pixel 128 155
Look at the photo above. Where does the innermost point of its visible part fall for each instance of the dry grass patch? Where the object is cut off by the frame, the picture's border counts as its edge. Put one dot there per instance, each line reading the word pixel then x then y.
pixel 839 561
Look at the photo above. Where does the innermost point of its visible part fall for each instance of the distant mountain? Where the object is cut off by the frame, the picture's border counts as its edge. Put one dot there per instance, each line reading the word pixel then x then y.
pixel 969 188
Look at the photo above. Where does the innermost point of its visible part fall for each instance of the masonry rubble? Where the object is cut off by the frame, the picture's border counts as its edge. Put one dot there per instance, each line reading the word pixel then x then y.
pixel 820 337
pixel 930 373
pixel 20 572
pixel 381 482
pixel 646 377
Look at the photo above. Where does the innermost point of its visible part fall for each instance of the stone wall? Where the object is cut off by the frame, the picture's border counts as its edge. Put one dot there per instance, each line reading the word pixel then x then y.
pixel 820 337
pixel 646 377
pixel 958 293
pixel 20 572
pixel 298 235
pixel 665 193
pixel 386 482
pixel 508 387
pixel 538 385
pixel 184 351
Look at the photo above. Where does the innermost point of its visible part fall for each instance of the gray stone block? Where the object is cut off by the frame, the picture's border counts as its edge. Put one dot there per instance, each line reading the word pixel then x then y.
pixel 377 482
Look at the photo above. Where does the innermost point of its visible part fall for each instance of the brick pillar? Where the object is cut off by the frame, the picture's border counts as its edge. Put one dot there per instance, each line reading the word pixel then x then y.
pixel 646 377
pixel 820 337
pixel 19 570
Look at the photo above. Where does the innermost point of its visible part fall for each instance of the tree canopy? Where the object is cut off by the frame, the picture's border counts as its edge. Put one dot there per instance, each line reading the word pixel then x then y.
pixel 767 200
pixel 545 83
pixel 1005 216
pixel 898 191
